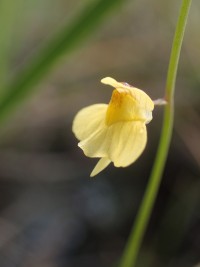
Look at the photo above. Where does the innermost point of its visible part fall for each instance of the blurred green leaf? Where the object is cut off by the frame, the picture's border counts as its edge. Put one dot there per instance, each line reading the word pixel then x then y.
pixel 8 12
pixel 63 43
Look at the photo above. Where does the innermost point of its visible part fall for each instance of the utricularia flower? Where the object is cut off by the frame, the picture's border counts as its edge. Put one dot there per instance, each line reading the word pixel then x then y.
pixel 115 132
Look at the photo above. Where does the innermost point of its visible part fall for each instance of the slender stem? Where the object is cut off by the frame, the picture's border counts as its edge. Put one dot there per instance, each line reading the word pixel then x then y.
pixel 136 236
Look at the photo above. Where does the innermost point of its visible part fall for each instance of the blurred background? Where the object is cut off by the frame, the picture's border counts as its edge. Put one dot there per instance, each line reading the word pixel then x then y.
pixel 51 213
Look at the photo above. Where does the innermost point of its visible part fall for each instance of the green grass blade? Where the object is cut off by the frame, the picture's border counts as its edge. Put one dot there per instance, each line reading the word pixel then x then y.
pixel 135 239
pixel 8 13
pixel 63 43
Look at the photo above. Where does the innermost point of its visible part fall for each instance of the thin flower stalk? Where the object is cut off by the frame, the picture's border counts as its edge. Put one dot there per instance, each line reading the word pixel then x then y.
pixel 130 254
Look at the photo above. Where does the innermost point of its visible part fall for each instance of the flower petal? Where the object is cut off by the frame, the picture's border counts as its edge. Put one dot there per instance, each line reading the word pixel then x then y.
pixel 88 120
pixel 100 166
pixel 144 102
pixel 128 143
pixel 122 142
pixel 96 145
pixel 112 82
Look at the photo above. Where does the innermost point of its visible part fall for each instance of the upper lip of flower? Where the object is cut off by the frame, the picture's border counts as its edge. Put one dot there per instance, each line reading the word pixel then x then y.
pixel 127 103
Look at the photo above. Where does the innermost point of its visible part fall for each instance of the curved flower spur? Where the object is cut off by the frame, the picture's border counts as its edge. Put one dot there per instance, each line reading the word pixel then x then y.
pixel 115 132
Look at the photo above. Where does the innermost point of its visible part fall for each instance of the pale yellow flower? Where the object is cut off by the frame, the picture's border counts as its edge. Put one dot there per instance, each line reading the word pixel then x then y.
pixel 115 132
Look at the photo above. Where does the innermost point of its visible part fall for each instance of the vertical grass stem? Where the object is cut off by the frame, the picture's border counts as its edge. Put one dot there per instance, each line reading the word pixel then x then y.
pixel 136 236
